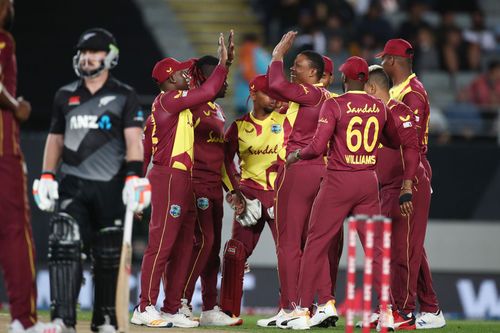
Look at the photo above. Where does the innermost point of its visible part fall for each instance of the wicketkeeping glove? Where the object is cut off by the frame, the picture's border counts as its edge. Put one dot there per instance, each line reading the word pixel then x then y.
pixel 45 192
pixel 136 193
pixel 252 213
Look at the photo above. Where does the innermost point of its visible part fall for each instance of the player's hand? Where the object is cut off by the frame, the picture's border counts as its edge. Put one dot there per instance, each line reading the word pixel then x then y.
pixel 284 45
pixel 293 157
pixel 136 193
pixel 230 48
pixel 252 213
pixel 23 110
pixel 46 192
pixel 222 50
pixel 405 196
pixel 237 201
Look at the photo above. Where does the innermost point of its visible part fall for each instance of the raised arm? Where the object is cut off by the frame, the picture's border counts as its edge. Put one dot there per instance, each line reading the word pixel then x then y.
pixel 176 101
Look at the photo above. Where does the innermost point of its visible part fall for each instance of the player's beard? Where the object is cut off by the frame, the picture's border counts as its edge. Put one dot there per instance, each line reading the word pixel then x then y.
pixel 268 110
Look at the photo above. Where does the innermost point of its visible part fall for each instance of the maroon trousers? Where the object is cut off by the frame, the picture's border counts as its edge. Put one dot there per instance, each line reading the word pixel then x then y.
pixel 170 241
pixel 296 188
pixel 341 194
pixel 205 260
pixel 17 249
pixel 409 264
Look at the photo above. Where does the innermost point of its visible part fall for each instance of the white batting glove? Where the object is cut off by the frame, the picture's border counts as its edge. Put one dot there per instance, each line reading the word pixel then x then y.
pixel 136 193
pixel 46 192
pixel 270 212
pixel 252 213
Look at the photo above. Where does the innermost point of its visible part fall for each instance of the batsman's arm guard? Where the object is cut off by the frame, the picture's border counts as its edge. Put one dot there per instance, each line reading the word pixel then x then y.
pixel 232 277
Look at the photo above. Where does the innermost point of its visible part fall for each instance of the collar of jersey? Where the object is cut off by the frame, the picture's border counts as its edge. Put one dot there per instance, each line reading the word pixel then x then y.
pixel 258 121
pixel 404 83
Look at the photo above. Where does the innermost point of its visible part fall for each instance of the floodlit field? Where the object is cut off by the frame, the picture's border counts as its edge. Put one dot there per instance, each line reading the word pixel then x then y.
pixel 249 325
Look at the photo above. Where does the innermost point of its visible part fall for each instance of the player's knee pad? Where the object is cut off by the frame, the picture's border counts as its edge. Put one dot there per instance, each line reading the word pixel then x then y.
pixel 65 267
pixel 106 250
pixel 232 276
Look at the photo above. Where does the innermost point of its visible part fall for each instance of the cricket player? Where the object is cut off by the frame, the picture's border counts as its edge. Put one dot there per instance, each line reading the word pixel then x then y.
pixel 257 138
pixel 352 124
pixel 208 119
pixel 171 228
pixel 335 251
pixel 305 94
pixel 391 168
pixel 15 227
pixel 412 277
pixel 96 134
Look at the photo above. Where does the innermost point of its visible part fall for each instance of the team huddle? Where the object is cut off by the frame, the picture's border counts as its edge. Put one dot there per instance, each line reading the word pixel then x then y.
pixel 306 160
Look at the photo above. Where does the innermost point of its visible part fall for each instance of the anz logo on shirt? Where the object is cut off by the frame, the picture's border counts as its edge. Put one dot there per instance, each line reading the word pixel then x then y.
pixel 90 122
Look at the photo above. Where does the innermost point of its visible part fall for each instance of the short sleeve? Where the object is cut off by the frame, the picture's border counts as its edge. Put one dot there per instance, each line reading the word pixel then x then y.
pixel 133 115
pixel 58 122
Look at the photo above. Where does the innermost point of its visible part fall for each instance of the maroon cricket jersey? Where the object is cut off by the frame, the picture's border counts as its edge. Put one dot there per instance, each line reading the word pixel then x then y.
pixel 172 134
pixel 147 144
pixel 209 122
pixel 391 164
pixel 412 93
pixel 353 124
pixel 9 126
pixel 305 101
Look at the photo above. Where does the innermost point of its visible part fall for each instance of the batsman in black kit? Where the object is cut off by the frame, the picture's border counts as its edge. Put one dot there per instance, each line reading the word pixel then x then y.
pixel 95 142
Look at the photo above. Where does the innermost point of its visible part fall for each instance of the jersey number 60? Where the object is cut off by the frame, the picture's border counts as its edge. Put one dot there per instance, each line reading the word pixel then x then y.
pixel 362 138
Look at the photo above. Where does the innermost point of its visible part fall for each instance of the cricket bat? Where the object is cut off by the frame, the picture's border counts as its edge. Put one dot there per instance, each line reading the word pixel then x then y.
pixel 122 287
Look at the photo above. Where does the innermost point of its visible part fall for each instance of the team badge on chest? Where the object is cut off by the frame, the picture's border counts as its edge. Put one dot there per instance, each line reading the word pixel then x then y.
pixel 202 203
pixel 175 211
pixel 275 128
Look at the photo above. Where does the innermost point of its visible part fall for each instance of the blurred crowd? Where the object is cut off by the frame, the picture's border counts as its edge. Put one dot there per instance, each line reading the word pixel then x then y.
pixel 456 42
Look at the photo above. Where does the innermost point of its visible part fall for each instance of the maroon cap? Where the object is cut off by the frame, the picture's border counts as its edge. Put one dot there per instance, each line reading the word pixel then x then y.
pixel 328 65
pixel 259 83
pixel 168 66
pixel 353 67
pixel 397 47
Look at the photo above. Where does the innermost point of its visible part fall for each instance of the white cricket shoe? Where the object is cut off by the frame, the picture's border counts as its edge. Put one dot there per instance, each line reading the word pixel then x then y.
pixel 150 318
pixel 106 327
pixel 325 313
pixel 186 309
pixel 298 319
pixel 270 322
pixel 386 320
pixel 373 321
pixel 216 317
pixel 17 327
pixel 428 320
pixel 179 320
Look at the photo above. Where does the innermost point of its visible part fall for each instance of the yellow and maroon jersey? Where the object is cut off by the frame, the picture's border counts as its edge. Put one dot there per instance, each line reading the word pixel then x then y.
pixel 352 124
pixel 305 101
pixel 209 122
pixel 391 164
pixel 9 127
pixel 412 93
pixel 258 143
pixel 172 127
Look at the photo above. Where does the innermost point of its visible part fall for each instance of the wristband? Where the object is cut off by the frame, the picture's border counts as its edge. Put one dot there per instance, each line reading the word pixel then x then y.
pixel 133 168
pixel 48 175
pixel 405 198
